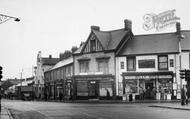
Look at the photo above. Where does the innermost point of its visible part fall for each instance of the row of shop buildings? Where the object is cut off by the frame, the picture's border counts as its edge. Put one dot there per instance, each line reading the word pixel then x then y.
pixel 118 63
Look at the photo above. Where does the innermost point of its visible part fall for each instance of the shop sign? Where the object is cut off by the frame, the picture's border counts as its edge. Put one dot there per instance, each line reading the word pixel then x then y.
pixel 165 76
pixel 149 77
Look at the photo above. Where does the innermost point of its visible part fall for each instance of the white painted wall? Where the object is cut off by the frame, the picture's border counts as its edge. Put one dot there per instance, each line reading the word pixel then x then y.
pixel 119 71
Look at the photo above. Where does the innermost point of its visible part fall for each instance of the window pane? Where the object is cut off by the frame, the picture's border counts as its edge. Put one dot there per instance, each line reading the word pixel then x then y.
pixel 84 66
pixel 122 65
pixel 171 63
pixel 163 66
pixel 131 63
pixel 163 59
pixel 103 66
pixel 93 45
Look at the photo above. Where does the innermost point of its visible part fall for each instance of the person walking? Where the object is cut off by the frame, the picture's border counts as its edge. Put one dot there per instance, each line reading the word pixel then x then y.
pixel 183 98
pixel 107 94
pixel 60 96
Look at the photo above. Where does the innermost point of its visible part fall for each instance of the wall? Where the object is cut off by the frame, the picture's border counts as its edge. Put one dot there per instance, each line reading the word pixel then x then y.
pixel 93 66
pixel 119 71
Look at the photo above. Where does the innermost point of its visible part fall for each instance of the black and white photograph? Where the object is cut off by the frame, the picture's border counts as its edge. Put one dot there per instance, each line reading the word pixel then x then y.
pixel 94 59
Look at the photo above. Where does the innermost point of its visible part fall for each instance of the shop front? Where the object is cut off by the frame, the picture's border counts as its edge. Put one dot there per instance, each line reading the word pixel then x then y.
pixel 148 85
pixel 94 87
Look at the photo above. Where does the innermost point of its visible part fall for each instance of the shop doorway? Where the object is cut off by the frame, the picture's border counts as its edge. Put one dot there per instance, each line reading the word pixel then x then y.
pixel 93 89
pixel 149 85
pixel 148 90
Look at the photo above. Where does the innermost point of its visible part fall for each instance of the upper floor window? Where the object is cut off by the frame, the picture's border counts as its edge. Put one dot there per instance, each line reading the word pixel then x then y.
pixel 148 63
pixel 103 66
pixel 121 65
pixel 163 62
pixel 92 45
pixel 131 63
pixel 84 66
pixel 68 70
pixel 171 62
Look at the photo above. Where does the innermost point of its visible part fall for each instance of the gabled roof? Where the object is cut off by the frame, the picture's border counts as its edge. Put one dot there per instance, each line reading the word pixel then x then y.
pixel 49 61
pixel 108 39
pixel 151 44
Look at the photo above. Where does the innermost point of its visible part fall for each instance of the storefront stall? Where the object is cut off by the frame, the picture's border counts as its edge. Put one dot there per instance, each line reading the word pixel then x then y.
pixel 94 86
pixel 148 85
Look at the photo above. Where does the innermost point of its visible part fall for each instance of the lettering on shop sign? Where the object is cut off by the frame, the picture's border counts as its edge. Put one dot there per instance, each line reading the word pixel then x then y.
pixel 149 77
pixel 160 21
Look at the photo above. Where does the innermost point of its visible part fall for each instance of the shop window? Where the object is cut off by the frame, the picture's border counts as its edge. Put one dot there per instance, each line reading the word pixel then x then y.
pixel 163 62
pixel 103 66
pixel 131 63
pixel 148 63
pixel 82 88
pixel 84 66
pixel 121 65
pixel 171 62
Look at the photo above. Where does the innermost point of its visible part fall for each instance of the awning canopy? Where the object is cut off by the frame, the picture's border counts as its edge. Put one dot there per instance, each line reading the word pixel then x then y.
pixel 148 75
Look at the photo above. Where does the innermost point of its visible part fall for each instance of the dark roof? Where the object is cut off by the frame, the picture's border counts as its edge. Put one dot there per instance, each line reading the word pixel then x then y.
pixel 79 50
pixel 185 43
pixel 110 39
pixel 49 61
pixel 151 44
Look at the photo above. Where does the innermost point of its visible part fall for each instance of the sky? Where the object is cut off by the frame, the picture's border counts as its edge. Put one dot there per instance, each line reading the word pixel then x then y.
pixel 53 26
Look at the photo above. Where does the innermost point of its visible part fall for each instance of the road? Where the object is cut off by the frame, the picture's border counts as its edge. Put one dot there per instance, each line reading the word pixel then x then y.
pixel 57 110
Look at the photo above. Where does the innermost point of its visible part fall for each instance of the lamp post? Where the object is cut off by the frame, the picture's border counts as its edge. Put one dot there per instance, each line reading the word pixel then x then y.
pixel 4 18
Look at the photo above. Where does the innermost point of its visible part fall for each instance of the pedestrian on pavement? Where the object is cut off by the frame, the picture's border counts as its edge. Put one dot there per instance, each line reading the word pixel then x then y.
pixel 141 92
pixel 107 94
pixel 183 97
pixel 60 96
pixel 186 97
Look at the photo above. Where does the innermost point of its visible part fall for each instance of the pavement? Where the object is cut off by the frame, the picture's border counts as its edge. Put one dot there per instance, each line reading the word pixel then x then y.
pixel 176 106
pixel 5 113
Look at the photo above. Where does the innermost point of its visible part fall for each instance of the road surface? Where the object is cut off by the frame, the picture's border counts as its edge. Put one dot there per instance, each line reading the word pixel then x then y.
pixel 57 110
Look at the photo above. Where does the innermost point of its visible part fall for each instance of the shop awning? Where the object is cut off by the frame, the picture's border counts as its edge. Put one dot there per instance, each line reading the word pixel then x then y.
pixel 94 76
pixel 148 75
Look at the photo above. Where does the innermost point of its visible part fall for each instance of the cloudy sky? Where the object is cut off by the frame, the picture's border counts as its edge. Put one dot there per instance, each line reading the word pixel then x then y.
pixel 53 26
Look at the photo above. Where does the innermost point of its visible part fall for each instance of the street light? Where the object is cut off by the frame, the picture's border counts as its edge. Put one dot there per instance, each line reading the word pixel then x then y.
pixel 4 18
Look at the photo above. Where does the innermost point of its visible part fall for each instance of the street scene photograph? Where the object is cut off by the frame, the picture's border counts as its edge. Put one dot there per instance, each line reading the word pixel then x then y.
pixel 94 59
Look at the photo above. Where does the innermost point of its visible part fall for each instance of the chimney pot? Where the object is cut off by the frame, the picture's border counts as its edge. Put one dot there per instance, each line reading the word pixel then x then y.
pixel 97 28
pixel 128 24
pixel 50 56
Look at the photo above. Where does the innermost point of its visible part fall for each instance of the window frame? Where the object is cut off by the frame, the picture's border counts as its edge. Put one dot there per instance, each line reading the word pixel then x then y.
pixel 122 65
pixel 105 65
pixel 162 62
pixel 86 63
pixel 171 61
pixel 134 63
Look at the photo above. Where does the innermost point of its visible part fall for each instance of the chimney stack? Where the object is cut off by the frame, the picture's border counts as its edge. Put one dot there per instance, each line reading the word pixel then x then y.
pixel 96 28
pixel 61 56
pixel 178 28
pixel 128 24
pixel 50 56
